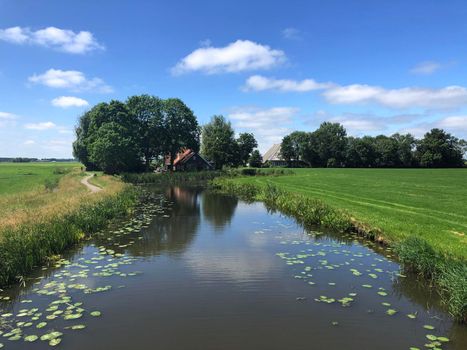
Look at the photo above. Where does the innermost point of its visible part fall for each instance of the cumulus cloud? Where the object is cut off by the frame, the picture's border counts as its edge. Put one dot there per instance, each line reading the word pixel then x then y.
pixel 409 97
pixel 291 33
pixel 241 55
pixel 261 83
pixel 426 68
pixel 70 79
pixel 69 101
pixel 269 125
pixel 60 39
pixel 29 142
pixel 40 126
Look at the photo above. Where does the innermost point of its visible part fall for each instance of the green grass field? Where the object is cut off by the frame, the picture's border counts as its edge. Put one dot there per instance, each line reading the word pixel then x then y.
pixel 429 203
pixel 22 177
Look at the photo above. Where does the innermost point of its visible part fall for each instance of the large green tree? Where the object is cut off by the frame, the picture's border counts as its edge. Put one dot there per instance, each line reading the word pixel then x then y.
pixel 145 128
pixel 115 149
pixel 147 111
pixel 439 149
pixel 246 143
pixel 218 142
pixel 180 128
pixel 331 142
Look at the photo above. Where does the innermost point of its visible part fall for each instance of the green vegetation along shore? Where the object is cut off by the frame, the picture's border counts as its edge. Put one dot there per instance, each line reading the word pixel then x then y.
pixel 46 208
pixel 420 212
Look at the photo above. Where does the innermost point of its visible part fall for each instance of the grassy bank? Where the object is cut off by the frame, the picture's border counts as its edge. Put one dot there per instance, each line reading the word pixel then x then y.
pixel 170 178
pixel 438 263
pixel 40 222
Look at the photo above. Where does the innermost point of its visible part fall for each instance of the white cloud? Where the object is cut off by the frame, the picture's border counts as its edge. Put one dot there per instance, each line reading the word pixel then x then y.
pixel 7 116
pixel 70 79
pixel 260 83
pixel 426 68
pixel 7 119
pixel 241 55
pixel 409 97
pixel 14 35
pixel 40 126
pixel 291 33
pixel 454 122
pixel 69 101
pixel 29 142
pixel 56 38
pixel 269 125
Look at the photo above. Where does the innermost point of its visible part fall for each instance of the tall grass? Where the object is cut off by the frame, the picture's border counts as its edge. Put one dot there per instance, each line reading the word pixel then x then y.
pixel 414 253
pixel 168 178
pixel 29 245
pixel 449 274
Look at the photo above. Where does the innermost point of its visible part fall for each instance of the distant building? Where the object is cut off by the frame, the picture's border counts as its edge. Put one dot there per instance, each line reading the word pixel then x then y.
pixel 273 156
pixel 188 160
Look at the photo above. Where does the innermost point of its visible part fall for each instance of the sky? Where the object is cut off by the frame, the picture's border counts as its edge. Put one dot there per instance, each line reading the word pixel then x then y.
pixel 270 67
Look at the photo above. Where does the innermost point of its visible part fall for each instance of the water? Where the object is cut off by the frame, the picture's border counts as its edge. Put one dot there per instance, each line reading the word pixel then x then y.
pixel 196 270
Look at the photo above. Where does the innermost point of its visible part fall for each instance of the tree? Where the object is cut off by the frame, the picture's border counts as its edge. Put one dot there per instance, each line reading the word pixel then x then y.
pixel 147 112
pixel 331 142
pixel 255 160
pixel 246 143
pixel 293 145
pixel 218 142
pixel 439 149
pixel 115 150
pixel 360 152
pixel 405 149
pixel 180 128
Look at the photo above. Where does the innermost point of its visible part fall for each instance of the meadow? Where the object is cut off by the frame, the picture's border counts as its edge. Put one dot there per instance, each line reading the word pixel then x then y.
pixel 399 203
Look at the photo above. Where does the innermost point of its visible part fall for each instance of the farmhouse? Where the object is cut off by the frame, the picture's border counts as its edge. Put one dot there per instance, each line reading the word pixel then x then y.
pixel 188 160
pixel 273 156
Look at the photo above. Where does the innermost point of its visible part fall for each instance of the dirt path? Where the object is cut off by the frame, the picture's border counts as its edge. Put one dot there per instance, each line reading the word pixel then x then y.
pixel 91 187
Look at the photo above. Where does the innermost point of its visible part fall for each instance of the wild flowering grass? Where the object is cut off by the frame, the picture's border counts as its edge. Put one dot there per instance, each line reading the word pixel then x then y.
pixel 448 274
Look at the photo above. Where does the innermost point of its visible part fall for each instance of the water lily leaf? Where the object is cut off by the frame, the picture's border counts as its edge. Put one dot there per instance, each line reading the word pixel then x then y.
pixel 55 342
pixel 443 339
pixel 412 316
pixel 41 325
pixel 31 338
pixel 431 337
pixel 427 326
pixel 95 313
pixel 391 312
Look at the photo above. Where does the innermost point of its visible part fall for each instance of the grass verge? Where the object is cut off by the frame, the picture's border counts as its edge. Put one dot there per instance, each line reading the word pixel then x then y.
pixel 447 273
pixel 29 245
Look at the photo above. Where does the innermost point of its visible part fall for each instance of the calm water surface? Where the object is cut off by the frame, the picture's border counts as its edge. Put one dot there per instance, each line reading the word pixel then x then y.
pixel 196 270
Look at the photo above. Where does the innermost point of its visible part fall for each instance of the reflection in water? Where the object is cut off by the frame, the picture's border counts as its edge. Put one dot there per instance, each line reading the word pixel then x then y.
pixel 218 209
pixel 173 231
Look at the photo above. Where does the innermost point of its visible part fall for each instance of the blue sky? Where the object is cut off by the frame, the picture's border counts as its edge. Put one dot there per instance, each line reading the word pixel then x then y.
pixel 271 67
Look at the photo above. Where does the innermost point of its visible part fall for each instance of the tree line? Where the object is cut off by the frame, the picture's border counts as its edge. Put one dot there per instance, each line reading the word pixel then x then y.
pixel 138 134
pixel 329 146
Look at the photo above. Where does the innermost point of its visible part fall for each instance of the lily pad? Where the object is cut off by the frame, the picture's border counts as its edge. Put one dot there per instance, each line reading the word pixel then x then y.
pixel 31 338
pixel 95 313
